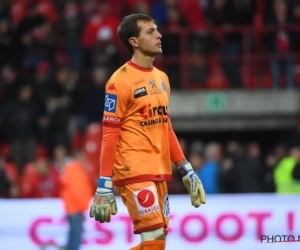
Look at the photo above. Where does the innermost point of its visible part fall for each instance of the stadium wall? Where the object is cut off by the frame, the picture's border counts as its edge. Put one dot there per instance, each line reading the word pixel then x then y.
pixel 234 110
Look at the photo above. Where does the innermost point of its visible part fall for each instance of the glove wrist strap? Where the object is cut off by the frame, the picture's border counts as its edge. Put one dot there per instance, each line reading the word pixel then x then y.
pixel 185 169
pixel 105 182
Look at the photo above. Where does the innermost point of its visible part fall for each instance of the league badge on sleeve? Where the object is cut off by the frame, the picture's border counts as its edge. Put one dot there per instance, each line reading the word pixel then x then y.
pixel 110 103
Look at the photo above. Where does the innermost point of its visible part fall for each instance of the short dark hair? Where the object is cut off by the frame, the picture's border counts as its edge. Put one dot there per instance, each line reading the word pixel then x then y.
pixel 129 28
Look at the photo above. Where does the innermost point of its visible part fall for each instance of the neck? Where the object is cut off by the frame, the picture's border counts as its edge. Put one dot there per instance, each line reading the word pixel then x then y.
pixel 142 60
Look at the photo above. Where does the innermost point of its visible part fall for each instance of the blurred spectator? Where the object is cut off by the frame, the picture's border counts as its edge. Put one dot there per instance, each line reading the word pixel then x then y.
pixel 22 9
pixel 100 19
pixel 281 43
pixel 21 118
pixel 281 151
pixel 196 159
pixel 193 12
pixel 71 26
pixel 60 156
pixel 183 145
pixel 228 176
pixel 296 172
pixel 171 42
pixel 216 14
pixel 6 41
pixel 11 172
pixel 94 96
pixel 62 106
pixel 242 173
pixel 231 14
pixel 5 182
pixel 9 82
pixel 35 37
pixel 234 150
pixel 227 179
pixel 198 71
pixel 41 180
pixel 284 171
pixel 197 147
pixel 270 164
pixel 249 171
pixel 209 172
pixel 76 197
pixel 160 11
pixel 141 6
pixel 104 52
pixel 42 83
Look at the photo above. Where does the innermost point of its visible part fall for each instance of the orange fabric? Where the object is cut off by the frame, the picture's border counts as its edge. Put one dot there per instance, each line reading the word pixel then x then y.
pixel 137 247
pixel 175 149
pixel 137 100
pixel 154 245
pixel 147 204
pixel 76 190
pixel 108 149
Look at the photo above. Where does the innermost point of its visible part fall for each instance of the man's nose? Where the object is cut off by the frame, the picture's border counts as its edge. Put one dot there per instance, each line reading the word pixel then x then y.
pixel 159 36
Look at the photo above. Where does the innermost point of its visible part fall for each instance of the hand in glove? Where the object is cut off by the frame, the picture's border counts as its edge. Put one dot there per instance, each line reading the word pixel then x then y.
pixel 104 203
pixel 192 184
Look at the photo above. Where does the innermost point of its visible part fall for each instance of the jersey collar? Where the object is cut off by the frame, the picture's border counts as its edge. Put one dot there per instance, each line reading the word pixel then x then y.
pixel 139 67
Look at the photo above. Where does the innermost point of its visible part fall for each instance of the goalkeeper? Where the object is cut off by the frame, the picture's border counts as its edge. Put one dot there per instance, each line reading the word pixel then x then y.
pixel 138 141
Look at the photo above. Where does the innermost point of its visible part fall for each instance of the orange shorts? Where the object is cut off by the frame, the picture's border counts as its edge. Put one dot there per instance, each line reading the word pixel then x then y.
pixel 147 204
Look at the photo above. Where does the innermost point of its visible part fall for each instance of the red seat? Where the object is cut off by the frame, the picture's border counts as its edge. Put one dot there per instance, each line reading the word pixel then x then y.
pixel 216 79
pixel 28 177
pixel 4 150
pixel 42 152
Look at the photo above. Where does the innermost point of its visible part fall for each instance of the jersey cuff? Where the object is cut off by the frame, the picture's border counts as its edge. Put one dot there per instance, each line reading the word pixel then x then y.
pixel 106 172
pixel 112 125
pixel 175 149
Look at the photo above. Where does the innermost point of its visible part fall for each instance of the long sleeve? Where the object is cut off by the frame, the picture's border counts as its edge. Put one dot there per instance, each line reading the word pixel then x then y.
pixel 175 149
pixel 108 149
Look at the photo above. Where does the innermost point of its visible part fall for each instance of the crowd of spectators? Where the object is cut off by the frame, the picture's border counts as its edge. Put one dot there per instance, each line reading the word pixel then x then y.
pixel 56 56
pixel 229 168
pixel 232 167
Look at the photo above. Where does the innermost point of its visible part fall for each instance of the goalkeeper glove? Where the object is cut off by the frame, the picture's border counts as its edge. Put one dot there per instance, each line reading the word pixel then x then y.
pixel 192 184
pixel 104 203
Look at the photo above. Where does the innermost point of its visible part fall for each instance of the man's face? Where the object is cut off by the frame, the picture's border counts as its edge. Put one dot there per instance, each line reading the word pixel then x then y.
pixel 149 41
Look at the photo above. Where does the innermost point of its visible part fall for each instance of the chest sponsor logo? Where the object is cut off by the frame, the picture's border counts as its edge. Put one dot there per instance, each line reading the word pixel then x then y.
pixel 146 201
pixel 154 115
pixel 140 92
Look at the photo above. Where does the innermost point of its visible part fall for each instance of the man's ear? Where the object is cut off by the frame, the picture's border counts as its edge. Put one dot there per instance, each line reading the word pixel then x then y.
pixel 133 42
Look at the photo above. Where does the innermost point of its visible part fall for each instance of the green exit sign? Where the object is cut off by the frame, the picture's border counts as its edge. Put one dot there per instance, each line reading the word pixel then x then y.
pixel 216 102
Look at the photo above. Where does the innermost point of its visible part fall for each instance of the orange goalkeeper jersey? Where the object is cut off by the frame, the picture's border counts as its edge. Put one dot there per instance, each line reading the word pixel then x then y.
pixel 137 100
